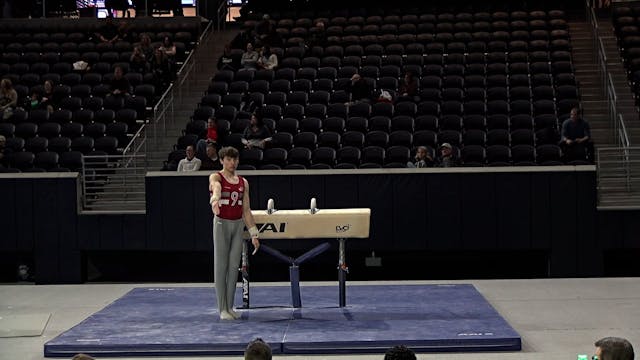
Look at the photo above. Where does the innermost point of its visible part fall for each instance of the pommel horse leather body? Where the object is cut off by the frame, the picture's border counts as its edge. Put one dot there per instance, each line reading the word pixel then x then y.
pixel 302 224
pixel 313 223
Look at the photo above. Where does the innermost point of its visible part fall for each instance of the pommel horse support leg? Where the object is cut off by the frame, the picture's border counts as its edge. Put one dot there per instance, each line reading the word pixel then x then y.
pixel 314 223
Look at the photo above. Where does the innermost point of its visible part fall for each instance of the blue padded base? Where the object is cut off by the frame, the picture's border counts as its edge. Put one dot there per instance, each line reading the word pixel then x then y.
pixel 184 321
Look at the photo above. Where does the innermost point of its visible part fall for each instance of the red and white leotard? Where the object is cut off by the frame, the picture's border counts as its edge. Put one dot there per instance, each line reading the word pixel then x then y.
pixel 231 196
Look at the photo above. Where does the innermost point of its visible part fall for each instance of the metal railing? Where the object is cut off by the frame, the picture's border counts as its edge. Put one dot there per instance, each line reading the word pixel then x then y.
pixel 618 177
pixel 113 183
pixel 616 119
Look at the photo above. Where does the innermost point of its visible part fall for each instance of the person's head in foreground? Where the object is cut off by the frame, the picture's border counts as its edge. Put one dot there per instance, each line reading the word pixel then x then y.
pixel 400 352
pixel 614 348
pixel 257 350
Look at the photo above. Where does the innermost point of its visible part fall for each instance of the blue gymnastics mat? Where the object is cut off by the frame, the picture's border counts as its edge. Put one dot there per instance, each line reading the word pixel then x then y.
pixel 184 321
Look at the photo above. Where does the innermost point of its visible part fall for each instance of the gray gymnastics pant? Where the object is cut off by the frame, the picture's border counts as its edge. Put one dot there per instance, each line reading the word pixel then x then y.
pixel 227 251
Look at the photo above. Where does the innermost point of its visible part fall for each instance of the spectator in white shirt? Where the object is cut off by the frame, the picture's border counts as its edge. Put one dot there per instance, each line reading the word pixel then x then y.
pixel 191 162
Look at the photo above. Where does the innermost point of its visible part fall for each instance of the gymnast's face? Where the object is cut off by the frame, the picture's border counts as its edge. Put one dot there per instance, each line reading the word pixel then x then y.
pixel 229 164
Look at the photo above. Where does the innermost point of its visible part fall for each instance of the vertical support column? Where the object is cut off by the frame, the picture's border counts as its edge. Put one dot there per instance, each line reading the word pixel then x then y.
pixel 294 276
pixel 244 269
pixel 342 273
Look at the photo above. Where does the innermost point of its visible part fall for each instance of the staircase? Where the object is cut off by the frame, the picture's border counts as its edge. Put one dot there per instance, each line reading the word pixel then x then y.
pixel 186 94
pixel 618 175
pixel 116 184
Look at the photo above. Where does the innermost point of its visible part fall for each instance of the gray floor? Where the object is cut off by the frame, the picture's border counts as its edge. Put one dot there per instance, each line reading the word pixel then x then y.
pixel 557 318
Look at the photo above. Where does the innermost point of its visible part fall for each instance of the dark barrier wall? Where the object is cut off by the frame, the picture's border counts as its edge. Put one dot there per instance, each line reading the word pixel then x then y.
pixel 412 212
pixel 39 216
pixel 461 209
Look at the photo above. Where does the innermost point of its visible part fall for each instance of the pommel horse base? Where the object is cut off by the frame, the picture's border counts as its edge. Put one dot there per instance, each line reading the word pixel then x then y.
pixel 313 223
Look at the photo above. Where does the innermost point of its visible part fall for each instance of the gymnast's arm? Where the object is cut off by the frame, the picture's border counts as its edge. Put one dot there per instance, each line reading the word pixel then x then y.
pixel 215 188
pixel 248 218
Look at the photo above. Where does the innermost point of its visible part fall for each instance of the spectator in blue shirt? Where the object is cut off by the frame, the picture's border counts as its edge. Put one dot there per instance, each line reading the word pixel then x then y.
pixel 576 137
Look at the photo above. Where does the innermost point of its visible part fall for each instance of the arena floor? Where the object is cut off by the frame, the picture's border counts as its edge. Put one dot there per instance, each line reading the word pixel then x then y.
pixel 557 318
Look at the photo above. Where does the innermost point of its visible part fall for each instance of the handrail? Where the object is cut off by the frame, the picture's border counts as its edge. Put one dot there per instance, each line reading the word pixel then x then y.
pixel 221 18
pixel 624 136
pixel 138 134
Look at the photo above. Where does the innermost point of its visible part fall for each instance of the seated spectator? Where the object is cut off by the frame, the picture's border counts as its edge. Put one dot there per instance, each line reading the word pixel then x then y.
pixel 267 59
pixel 226 61
pixel 264 30
pixel 191 162
pixel 400 352
pixel 33 102
pixel 119 84
pixel 211 137
pixel 8 98
pixel 446 157
pixel 169 49
pixel 48 101
pixel 408 88
pixel 359 89
pixel 614 348
pixel 257 349
pixel 256 134
pixel 249 58
pixel 146 47
pixel 210 160
pixel 161 69
pixel 109 32
pixel 318 36
pixel 139 61
pixel 422 158
pixel 124 32
pixel 575 137
pixel 3 143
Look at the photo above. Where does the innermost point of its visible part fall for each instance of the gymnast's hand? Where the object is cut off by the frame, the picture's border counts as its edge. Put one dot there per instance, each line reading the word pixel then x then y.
pixel 256 244
pixel 215 207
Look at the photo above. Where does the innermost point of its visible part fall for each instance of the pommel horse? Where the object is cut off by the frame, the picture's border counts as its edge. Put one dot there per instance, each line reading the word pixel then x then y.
pixel 312 223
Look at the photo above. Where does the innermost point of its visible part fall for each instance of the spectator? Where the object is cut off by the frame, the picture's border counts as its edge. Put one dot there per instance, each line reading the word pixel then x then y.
pixel 3 143
pixel 211 137
pixel 256 134
pixel 249 58
pixel 446 157
pixel 257 349
pixel 124 32
pixel 575 137
pixel 139 61
pixel 146 47
pixel 191 162
pixel 359 89
pixel 614 348
pixel 48 101
pixel 264 29
pixel 399 352
pixel 119 84
pixel 82 357
pixel 161 69
pixel 8 98
pixel 227 61
pixel 34 101
pixel 210 160
pixel 408 88
pixel 169 49
pixel 267 59
pixel 109 32
pixel 318 36
pixel 422 159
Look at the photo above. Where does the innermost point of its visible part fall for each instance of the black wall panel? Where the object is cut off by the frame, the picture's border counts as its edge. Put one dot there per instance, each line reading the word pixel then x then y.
pixel 410 197
pixel 444 226
pixel 422 212
pixel 513 228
